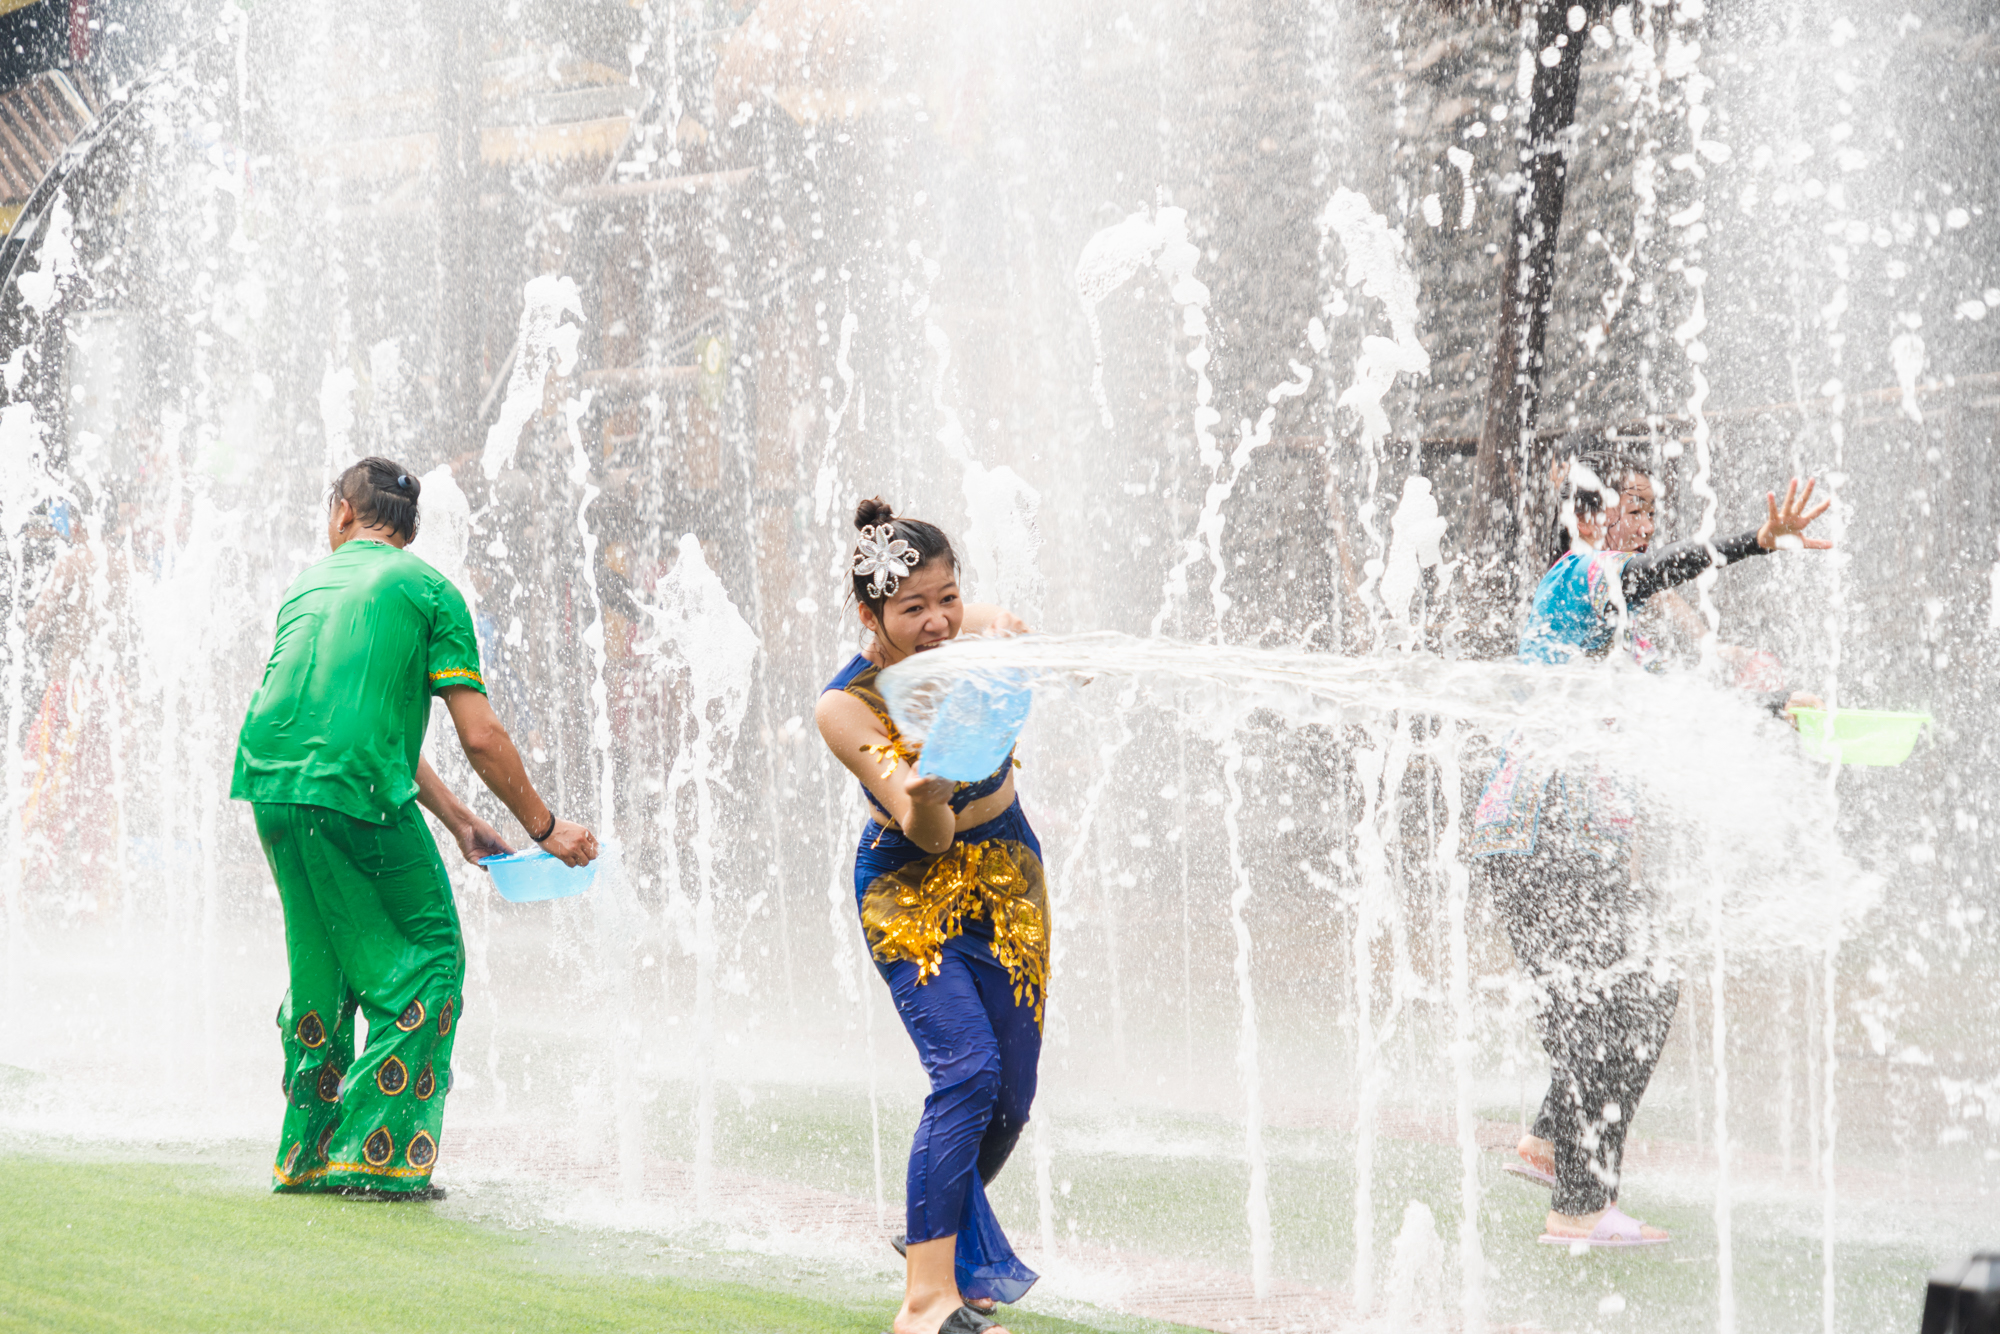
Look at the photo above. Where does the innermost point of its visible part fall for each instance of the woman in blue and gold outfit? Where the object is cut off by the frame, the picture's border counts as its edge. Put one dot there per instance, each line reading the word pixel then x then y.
pixel 948 879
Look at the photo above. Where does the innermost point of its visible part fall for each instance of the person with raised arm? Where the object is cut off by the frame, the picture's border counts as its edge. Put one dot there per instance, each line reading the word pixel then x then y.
pixel 330 756
pixel 948 880
pixel 1555 846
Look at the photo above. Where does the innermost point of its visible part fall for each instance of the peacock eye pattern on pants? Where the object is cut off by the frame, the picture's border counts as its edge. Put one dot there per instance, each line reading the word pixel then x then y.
pixel 356 1127
pixel 393 1077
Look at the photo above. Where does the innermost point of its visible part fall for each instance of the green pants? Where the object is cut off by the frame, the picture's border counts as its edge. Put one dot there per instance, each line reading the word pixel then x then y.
pixel 369 923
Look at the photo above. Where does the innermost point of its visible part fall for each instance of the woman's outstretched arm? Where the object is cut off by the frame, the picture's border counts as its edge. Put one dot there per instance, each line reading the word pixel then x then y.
pixel 1652 571
pixel 983 618
pixel 1784 526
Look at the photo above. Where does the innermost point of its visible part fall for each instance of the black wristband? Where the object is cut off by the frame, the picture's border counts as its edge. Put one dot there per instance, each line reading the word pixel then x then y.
pixel 546 832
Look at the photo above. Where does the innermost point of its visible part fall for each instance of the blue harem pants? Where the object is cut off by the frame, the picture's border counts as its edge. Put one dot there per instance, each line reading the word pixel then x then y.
pixel 981 1052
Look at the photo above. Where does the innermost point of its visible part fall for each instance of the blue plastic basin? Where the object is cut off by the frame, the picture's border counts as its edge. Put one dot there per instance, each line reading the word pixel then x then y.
pixel 530 877
pixel 976 726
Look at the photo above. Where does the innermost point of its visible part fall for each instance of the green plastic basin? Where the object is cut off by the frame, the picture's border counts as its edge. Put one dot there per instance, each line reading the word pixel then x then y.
pixel 1859 736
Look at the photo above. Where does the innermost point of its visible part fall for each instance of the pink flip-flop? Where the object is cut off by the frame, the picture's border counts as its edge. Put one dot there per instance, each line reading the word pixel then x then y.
pixel 1527 1171
pixel 1616 1230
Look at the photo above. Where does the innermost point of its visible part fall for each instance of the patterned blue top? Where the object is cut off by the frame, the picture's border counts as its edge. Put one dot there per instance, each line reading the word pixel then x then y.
pixel 857 678
pixel 1583 611
pixel 1580 608
pixel 1580 613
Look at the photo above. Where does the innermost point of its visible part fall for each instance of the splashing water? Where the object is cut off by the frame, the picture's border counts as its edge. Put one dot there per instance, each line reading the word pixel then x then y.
pixel 698 637
pixel 1672 736
pixel 1287 1036
pixel 547 342
pixel 1111 258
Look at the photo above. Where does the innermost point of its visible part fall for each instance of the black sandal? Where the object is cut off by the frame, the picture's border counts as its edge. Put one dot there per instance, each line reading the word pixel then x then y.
pixel 965 1320
pixel 422 1195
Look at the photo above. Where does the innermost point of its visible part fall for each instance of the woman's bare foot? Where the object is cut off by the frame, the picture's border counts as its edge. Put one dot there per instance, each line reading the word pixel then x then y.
pixel 1537 1153
pixel 929 1317
pixel 1580 1226
pixel 930 1294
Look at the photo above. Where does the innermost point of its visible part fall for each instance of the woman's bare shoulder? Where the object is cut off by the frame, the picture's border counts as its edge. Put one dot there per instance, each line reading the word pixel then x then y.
pixel 839 713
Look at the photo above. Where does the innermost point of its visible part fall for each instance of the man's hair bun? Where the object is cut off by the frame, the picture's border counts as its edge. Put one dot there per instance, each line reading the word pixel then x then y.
pixel 383 492
pixel 873 512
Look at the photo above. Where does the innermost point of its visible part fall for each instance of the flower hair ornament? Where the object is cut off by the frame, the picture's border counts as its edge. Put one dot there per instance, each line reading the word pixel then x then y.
pixel 886 558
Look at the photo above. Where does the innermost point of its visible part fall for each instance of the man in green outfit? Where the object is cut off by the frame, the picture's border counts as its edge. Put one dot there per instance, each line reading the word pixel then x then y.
pixel 331 756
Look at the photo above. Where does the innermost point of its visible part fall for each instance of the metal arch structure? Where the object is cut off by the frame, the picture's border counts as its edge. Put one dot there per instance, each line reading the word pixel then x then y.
pixel 106 120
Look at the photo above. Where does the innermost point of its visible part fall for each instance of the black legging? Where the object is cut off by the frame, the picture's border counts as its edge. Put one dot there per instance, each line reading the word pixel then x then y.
pixel 1584 933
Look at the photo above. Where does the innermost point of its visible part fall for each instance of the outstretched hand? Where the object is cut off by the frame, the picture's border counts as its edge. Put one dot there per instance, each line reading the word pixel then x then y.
pixel 983 618
pixel 1007 623
pixel 1785 525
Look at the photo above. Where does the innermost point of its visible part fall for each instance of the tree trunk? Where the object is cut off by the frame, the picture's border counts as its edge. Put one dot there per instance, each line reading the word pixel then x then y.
pixel 1509 485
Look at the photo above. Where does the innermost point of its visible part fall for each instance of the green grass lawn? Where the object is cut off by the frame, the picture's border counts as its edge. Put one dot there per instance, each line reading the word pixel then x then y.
pixel 92 1246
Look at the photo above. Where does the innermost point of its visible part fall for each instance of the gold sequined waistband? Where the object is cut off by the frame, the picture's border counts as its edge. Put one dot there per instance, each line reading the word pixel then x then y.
pixel 910 912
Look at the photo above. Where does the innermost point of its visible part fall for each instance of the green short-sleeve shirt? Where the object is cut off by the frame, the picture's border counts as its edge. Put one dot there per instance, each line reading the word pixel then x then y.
pixel 365 637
